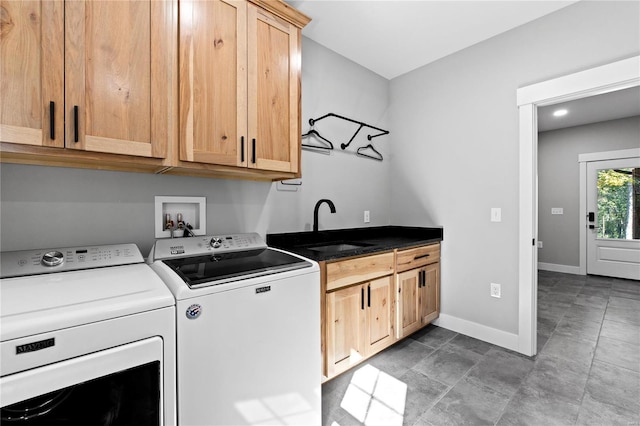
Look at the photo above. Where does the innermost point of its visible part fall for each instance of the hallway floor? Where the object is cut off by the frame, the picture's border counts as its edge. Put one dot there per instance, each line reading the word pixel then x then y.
pixel 587 370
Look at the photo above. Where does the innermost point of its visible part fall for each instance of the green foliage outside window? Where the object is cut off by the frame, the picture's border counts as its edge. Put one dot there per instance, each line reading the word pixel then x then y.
pixel 616 202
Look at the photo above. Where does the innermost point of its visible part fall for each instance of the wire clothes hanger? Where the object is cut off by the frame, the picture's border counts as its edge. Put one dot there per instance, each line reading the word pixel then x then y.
pixel 361 152
pixel 314 132
pixel 361 125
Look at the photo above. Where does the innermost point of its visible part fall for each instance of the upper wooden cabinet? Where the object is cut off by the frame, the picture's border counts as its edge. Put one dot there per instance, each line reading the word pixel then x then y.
pixel 91 76
pixel 239 85
pixel 32 72
pixel 213 82
pixel 117 77
pixel 203 88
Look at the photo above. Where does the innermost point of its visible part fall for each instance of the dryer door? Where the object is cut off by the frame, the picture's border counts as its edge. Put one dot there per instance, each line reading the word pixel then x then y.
pixel 117 386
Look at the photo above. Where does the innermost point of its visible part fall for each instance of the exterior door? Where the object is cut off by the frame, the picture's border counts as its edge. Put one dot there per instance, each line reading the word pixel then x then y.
pixel 613 221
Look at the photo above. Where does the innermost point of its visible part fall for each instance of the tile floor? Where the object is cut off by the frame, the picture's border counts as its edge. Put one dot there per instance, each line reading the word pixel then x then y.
pixel 587 370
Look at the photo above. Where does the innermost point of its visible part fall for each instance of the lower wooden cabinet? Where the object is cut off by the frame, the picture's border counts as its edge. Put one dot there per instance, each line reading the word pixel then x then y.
pixel 359 323
pixel 418 298
pixel 370 302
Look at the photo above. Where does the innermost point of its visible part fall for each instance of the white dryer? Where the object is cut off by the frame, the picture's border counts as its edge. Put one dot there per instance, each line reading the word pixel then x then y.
pixel 87 337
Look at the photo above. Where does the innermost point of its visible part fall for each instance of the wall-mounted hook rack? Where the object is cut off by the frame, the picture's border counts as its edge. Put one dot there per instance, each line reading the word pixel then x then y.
pixel 312 121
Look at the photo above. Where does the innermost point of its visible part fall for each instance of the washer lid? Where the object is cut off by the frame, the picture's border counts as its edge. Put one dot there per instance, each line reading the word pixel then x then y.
pixel 202 271
pixel 43 303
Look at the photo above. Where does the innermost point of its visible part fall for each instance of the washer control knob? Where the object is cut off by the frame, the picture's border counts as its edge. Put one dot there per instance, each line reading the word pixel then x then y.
pixel 52 258
pixel 215 242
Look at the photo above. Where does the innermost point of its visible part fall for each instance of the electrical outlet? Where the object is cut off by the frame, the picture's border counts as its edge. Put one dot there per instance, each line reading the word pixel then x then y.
pixel 495 290
pixel 367 217
pixel 539 244
pixel 557 210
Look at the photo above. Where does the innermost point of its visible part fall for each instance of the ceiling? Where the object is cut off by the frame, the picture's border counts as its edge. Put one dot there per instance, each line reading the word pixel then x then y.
pixel 392 38
pixel 609 106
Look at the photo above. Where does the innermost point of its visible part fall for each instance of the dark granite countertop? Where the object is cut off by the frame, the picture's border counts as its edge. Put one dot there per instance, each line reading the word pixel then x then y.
pixel 340 243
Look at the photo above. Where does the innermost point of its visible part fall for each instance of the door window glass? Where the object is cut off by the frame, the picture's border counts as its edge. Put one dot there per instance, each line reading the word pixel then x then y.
pixel 619 203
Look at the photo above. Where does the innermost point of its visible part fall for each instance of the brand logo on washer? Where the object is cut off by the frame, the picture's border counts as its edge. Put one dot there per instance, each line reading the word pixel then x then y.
pixel 194 311
pixel 35 346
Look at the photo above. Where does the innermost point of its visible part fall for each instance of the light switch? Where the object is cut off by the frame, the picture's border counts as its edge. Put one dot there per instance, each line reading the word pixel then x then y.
pixel 496 214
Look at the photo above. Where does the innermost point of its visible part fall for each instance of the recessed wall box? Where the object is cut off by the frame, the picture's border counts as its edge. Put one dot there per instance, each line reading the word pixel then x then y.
pixel 192 209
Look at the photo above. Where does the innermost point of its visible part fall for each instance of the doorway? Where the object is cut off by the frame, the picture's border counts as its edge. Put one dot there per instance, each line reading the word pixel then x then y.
pixel 615 76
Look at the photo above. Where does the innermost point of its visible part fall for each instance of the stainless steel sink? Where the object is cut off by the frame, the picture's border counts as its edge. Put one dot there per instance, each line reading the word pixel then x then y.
pixel 337 247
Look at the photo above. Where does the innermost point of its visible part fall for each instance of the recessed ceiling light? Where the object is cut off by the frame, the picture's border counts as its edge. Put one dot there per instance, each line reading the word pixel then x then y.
pixel 560 112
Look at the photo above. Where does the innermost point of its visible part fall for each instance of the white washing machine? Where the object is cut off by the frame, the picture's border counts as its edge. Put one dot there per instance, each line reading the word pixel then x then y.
pixel 87 338
pixel 248 331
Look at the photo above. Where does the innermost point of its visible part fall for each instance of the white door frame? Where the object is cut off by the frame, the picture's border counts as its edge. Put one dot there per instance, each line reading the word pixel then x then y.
pixel 595 81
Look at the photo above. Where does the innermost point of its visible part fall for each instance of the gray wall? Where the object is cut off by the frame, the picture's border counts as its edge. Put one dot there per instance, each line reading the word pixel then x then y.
pixel 452 155
pixel 559 185
pixel 455 150
pixel 49 207
pixel 330 83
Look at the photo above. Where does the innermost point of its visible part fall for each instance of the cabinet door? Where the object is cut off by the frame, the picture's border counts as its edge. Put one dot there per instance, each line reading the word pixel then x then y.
pixel 117 82
pixel 31 72
pixel 379 324
pixel 408 304
pixel 430 294
pixel 345 328
pixel 213 82
pixel 274 92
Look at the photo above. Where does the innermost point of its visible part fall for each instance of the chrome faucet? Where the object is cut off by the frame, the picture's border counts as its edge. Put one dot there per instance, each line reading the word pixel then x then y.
pixel 315 211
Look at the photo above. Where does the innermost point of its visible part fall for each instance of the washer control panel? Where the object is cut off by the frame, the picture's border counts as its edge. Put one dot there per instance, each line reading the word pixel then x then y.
pixel 43 261
pixel 169 248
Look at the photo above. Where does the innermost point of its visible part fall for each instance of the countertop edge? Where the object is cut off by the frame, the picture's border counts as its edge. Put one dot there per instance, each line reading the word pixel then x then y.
pixel 380 239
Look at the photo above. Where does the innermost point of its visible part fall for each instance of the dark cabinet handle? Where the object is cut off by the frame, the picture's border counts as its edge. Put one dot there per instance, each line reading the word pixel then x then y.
pixel 75 123
pixel 362 299
pixel 242 149
pixel 253 150
pixel 52 120
pixel 424 278
pixel 421 257
pixel 369 296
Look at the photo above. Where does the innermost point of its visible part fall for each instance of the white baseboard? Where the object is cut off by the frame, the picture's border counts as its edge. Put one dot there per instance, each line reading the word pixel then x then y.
pixel 478 331
pixel 567 269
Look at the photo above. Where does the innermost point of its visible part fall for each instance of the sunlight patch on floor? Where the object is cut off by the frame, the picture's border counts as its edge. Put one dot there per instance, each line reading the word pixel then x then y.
pixel 375 398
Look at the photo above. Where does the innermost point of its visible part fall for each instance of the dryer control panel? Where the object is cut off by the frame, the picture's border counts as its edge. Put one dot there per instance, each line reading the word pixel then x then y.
pixel 43 261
